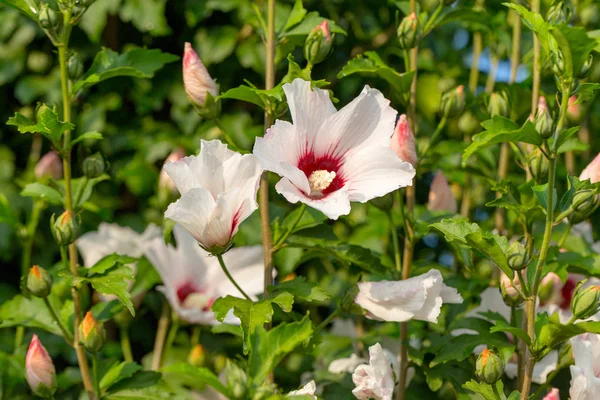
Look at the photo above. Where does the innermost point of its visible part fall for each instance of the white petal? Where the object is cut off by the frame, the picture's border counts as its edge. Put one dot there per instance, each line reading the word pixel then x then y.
pixel 345 364
pixel 333 205
pixel 306 390
pixel 182 174
pixel 192 211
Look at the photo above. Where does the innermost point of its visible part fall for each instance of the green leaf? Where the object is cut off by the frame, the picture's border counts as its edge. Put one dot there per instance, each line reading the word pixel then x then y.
pixel 300 218
pixel 244 93
pixel 553 333
pixel 86 136
pixel 565 201
pixel 146 393
pixel 228 328
pixel 468 16
pixel 541 192
pixel 118 372
pixel 47 124
pixel 299 288
pixel 44 192
pixel 115 282
pixel 7 215
pixel 501 326
pixel 487 391
pixel 371 64
pixel 32 313
pixel 146 15
pixel 296 16
pixel 535 22
pixel 310 21
pixel 194 377
pixel 23 6
pixel 270 347
pixel 500 130
pixel 575 45
pixel 138 63
pixel 586 92
pixel 86 187
pixel 217 43
pixel 465 233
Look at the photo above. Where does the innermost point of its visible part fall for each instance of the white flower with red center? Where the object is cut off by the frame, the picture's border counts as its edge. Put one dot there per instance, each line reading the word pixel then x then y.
pixel 193 279
pixel 218 191
pixel 585 374
pixel 420 297
pixel 39 369
pixel 196 79
pixel 328 158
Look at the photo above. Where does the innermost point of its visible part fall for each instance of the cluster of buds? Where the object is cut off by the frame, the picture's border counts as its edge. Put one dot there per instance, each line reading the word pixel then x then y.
pixel 39 281
pixel 64 228
pixel 318 44
pixel 453 102
pixel 48 17
pixel 91 333
pixel 50 165
pixel 498 104
pixel 409 32
pixel 39 370
pixel 489 367
pixel 586 301
pixel 93 166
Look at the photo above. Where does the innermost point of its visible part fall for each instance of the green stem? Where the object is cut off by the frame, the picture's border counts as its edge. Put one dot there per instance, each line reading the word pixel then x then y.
pixel 224 268
pixel 195 336
pixel 95 373
pixel 80 190
pixel 431 20
pixel 434 137
pixel 30 229
pixel 61 325
pixel 226 136
pixel 564 236
pixel 126 344
pixel 170 338
pixel 287 234
pixel 161 335
pixel 327 320
pixel 396 244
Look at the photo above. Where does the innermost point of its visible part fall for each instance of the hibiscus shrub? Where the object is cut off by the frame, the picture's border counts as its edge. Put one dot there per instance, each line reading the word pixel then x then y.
pixel 335 200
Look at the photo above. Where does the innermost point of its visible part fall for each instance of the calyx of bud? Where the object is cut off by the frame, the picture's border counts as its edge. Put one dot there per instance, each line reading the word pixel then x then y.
pixel 498 104
pixel 39 281
pixel 586 301
pixel 75 66
pixel 409 31
pixel 48 17
pixel 543 120
pixel 318 44
pixel 489 367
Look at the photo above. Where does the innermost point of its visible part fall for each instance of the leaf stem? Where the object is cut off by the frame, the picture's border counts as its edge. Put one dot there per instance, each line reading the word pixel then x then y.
pixel 63 328
pixel 429 25
pixel 287 234
pixel 224 268
pixel 126 344
pixel 327 320
pixel 434 137
pixel 161 335
pixel 170 337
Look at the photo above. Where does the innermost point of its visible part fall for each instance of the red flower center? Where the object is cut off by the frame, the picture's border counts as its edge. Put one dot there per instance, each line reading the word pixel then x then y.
pixel 323 173
pixel 567 294
pixel 187 289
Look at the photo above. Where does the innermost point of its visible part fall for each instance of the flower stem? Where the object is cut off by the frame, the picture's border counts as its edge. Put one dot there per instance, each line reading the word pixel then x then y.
pixel 161 335
pixel 96 376
pixel 327 320
pixel 126 344
pixel 63 328
pixel 224 268
pixel 535 7
pixel 170 337
pixel 287 234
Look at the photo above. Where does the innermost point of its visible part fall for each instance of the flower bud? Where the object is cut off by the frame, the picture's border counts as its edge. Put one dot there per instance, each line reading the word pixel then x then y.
pixel 517 256
pixel 543 120
pixel 559 13
pixel 91 333
pixel 554 394
pixel 39 369
pixel 583 204
pixel 489 367
pixel 75 66
pixel 164 180
pixel 409 32
pixel 64 228
pixel 236 380
pixel 509 294
pixel 318 44
pixel 49 165
pixel 441 197
pixel 47 16
pixel 574 110
pixel 586 301
pixel 196 79
pixel 538 166
pixel 498 104
pixel 93 166
pixel 558 64
pixel 586 67
pixel 453 102
pixel 403 141
pixel 197 356
pixel 39 281
pixel 592 171
pixel 550 288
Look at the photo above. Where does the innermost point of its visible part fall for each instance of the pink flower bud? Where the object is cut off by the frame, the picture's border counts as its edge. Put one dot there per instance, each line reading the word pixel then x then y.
pixel 441 197
pixel 552 395
pixel 574 110
pixel 324 27
pixel 592 171
pixel 164 180
pixel 542 104
pixel 508 286
pixel 40 371
pixel 196 79
pixel 49 165
pixel 403 141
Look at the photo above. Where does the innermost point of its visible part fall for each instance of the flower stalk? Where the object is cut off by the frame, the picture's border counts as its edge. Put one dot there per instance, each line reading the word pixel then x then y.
pixel 226 272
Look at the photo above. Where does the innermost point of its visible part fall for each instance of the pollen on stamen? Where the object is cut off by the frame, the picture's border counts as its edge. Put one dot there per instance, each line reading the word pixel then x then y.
pixel 320 180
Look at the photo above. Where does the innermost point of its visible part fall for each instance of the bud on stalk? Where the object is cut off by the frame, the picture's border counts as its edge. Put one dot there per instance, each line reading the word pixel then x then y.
pixel 318 44
pixel 49 165
pixel 554 394
pixel 93 166
pixel 583 204
pixel 586 301
pixel 91 333
pixel 453 102
pixel 403 142
pixel 39 281
pixel 489 367
pixel 517 256
pixel 39 369
pixel 586 67
pixel 538 166
pixel 498 104
pixel 198 83
pixel 409 32
pixel 75 66
pixel 64 228
pixel 197 356
pixel 509 294
pixel 47 17
pixel 574 110
pixel 543 120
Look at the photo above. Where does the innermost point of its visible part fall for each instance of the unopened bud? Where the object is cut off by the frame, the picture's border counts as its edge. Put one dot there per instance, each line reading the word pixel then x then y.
pixel 75 66
pixel 558 63
pixel 409 32
pixel 441 197
pixel 516 256
pixel 403 141
pixel 538 166
pixel 93 166
pixel 592 171
pixel 39 281
pixel 583 204
pixel 236 380
pixel 39 369
pixel 49 165
pixel 498 104
pixel 197 356
pixel 550 288
pixel 468 123
pixel 574 110
pixel 586 67
pixel 91 333
pixel 47 16
pixel 586 301
pixel 318 44
pixel 509 292
pixel 196 79
pixel 453 102
pixel 543 119
pixel 559 13
pixel 489 367
pixel 165 183
pixel 64 228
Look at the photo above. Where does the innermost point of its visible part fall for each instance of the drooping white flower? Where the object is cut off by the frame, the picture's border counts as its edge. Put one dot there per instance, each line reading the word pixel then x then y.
pixel 328 158
pixel 376 380
pixel 39 369
pixel 420 298
pixel 306 390
pixel 196 79
pixel 193 278
pixel 441 197
pixel 585 374
pixel 218 191
pixel 348 364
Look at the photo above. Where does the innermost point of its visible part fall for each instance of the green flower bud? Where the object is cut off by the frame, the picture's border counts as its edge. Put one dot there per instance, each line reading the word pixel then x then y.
pixel 468 123
pixel 586 301
pixel 197 356
pixel 558 63
pixel 91 333
pixel 517 256
pixel 583 204
pixel 48 18
pixel 510 296
pixel 489 367
pixel 543 120
pixel 236 380
pixel 498 104
pixel 409 32
pixel 586 67
pixel 318 44
pixel 93 166
pixel 384 203
pixel 560 12
pixel 75 66
pixel 39 281
pixel 453 102
pixel 538 166
pixel 64 228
